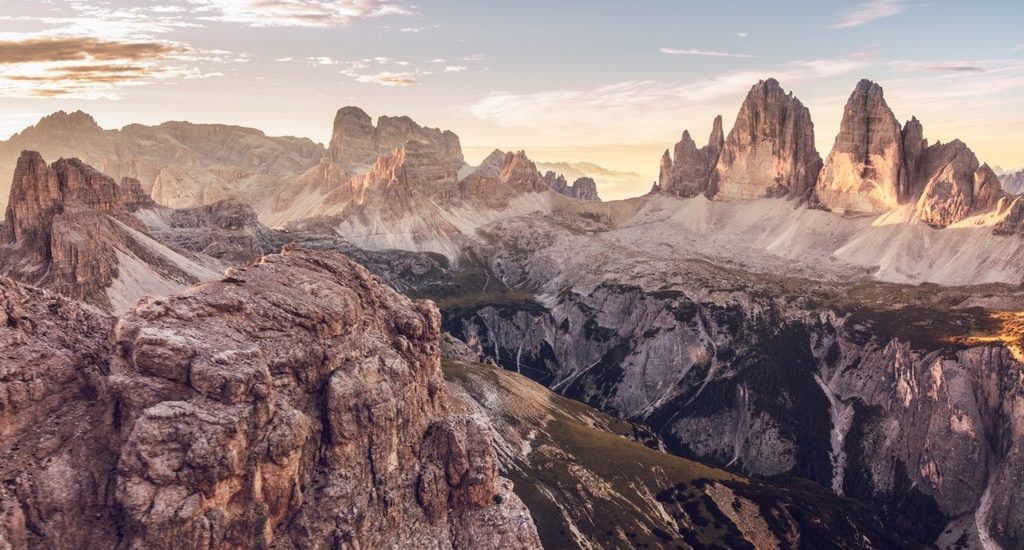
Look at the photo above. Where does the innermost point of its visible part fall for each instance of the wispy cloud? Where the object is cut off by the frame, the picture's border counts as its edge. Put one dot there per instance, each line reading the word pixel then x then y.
pixel 386 78
pixel 296 13
pixel 623 108
pixel 66 48
pixel 938 66
pixel 41 65
pixel 455 68
pixel 867 12
pixel 421 28
pixel 704 53
pixel 742 34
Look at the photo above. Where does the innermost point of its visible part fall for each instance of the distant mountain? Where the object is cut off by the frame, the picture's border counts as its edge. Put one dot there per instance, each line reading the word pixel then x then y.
pixel 1013 182
pixel 179 163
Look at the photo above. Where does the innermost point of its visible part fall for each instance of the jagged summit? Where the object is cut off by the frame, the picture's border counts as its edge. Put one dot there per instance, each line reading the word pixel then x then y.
pixel 770 150
pixel 356 141
pixel 875 166
pixel 866 170
pixel 688 171
pixel 62 121
pixel 70 228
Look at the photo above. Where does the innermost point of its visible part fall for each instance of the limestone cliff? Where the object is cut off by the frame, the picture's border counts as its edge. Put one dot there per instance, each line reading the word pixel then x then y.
pixel 297 403
pixel 770 150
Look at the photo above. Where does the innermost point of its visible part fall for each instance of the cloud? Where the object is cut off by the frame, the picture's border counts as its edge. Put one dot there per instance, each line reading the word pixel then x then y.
pixel 870 11
pixel 297 13
pixel 455 68
pixel 705 53
pixel 35 65
pixel 942 66
pixel 57 48
pixel 422 28
pixel 624 108
pixel 386 78
pixel 742 34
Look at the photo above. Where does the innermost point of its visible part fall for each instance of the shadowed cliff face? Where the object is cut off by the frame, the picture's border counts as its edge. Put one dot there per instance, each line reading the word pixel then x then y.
pixel 901 397
pixel 296 403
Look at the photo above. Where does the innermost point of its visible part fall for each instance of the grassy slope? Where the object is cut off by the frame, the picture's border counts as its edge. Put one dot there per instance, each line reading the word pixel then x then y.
pixel 591 482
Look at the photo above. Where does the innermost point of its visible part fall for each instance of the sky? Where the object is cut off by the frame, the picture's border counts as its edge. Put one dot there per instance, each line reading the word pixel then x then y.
pixel 613 82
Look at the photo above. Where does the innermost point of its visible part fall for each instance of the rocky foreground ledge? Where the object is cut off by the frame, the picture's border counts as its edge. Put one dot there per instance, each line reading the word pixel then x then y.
pixel 297 403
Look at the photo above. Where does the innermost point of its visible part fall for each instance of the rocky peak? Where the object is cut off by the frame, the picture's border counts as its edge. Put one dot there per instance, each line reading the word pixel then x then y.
pixel 491 166
pixel 584 188
pixel 556 182
pixel 67 226
pixel 40 192
pixel 866 170
pixel 1013 182
pixel 954 185
pixel 355 140
pixel 687 171
pixel 520 173
pixel 770 149
pixel 914 146
pixel 61 122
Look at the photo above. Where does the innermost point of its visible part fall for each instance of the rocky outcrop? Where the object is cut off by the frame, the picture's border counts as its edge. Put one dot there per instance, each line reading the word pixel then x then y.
pixel 867 170
pixel 770 150
pixel 297 403
pixel 226 230
pixel 56 423
pixel 953 185
pixel 69 228
pixel 490 167
pixel 875 166
pixel 133 197
pixel 688 170
pixel 584 188
pixel 357 142
pixel 517 175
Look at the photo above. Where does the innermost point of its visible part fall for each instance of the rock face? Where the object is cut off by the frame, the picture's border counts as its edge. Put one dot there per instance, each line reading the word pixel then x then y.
pixel 69 228
pixel 226 230
pixel 953 185
pixel 584 188
pixel 898 397
pixel 298 403
pixel 1013 183
pixel 688 171
pixel 356 141
pixel 770 151
pixel 56 423
pixel 867 169
pixel 875 166
pixel 517 175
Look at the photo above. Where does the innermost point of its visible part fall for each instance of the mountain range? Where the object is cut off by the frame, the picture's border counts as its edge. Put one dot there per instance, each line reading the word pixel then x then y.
pixel 773 349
